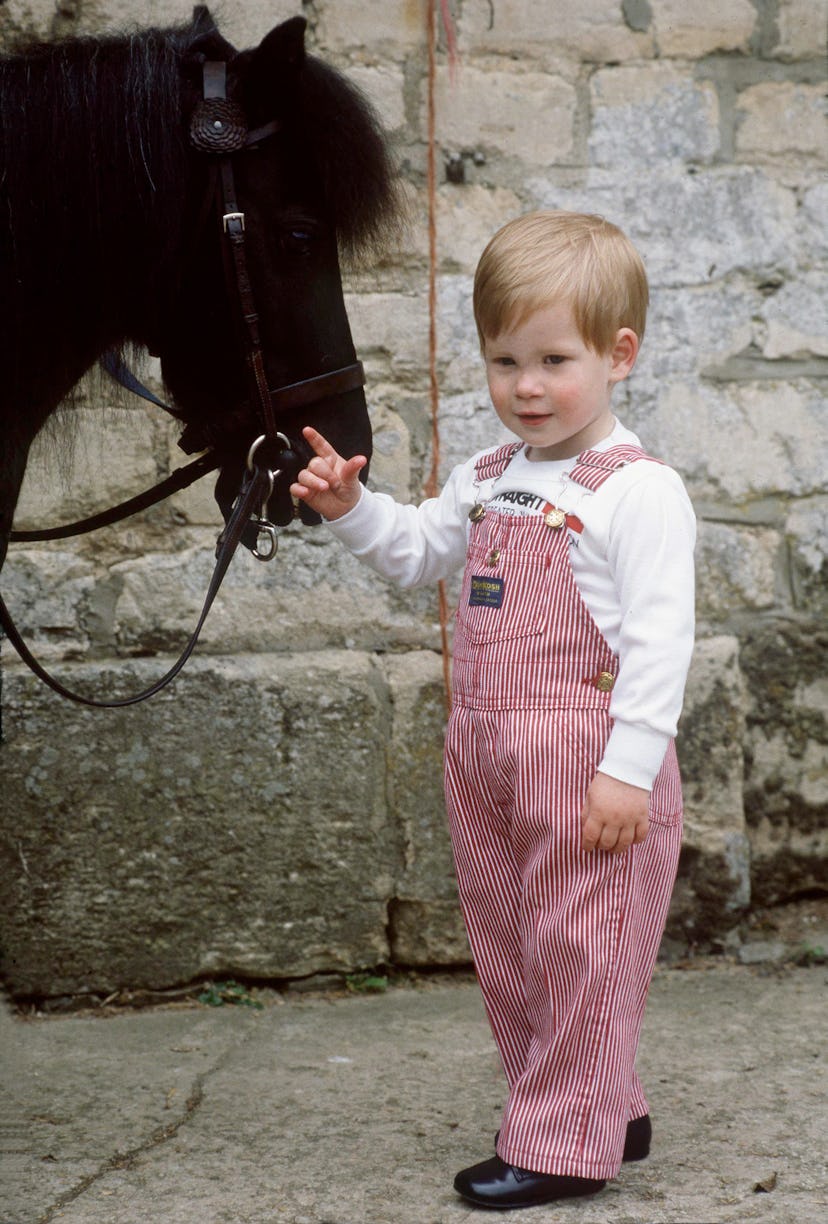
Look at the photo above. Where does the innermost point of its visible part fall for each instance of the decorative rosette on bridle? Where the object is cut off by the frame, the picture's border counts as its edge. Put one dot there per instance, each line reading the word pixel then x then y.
pixel 218 125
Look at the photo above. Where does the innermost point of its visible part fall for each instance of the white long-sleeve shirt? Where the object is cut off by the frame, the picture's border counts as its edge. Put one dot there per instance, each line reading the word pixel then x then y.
pixel 632 563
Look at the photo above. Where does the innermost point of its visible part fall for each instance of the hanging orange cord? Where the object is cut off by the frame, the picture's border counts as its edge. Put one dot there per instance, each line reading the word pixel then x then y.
pixel 431 485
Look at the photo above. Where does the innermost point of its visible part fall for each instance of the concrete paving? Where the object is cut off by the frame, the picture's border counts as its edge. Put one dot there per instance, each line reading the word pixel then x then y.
pixel 349 1109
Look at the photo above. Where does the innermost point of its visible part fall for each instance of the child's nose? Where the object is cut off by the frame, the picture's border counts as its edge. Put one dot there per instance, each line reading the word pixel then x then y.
pixel 528 384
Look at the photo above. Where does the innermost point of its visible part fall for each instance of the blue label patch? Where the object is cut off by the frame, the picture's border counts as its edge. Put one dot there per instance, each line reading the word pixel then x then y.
pixel 486 592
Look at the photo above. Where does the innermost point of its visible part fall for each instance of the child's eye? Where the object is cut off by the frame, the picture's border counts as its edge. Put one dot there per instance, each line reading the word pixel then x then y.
pixel 554 359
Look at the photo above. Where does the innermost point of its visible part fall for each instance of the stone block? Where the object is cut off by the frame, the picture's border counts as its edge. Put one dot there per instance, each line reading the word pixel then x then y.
pixel 467 217
pixel 806 530
pixel 428 934
pixel 691 329
pixel 468 424
pixel 235 825
pixel 383 86
pixel 390 470
pixel 124 15
pixel 313 596
pixel 244 25
pixel 786 758
pixel 730 219
pixel 794 322
pixel 651 113
pixel 392 327
pixel 425 923
pixel 713 886
pixel 25 20
pixel 741 443
pixel 395 29
pixel 197 504
pixel 85 460
pixel 519 114
pixel 736 570
pixel 159 596
pixel 812 231
pixel 802 29
pixel 50 594
pixel 458 348
pixel 415 773
pixel 592 31
pixel 780 121
pixel 690 31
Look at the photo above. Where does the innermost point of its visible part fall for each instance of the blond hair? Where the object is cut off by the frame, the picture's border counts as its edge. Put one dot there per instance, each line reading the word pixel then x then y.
pixel 542 258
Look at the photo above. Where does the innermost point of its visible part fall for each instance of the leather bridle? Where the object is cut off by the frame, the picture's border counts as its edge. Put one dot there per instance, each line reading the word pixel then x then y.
pixel 218 128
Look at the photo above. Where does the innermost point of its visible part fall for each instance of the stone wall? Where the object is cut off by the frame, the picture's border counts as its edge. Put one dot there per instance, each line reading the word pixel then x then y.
pixel 277 813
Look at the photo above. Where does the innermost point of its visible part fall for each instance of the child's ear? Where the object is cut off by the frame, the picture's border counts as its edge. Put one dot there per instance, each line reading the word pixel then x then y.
pixel 624 354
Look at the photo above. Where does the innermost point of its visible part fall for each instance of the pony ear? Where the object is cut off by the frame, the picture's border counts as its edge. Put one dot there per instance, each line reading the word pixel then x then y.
pixel 283 48
pixel 270 72
pixel 203 21
pixel 205 42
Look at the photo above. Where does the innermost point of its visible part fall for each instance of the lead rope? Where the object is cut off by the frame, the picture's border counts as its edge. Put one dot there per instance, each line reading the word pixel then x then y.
pixel 431 484
pixel 251 495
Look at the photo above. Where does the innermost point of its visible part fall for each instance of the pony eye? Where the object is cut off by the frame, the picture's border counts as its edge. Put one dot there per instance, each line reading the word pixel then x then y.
pixel 298 241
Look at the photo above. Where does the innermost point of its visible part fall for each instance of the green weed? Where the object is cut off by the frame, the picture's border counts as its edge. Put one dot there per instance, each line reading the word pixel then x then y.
pixel 217 994
pixel 810 954
pixel 366 983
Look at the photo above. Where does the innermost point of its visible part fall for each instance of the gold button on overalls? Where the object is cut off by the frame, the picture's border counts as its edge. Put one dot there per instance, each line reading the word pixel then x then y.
pixel 555 518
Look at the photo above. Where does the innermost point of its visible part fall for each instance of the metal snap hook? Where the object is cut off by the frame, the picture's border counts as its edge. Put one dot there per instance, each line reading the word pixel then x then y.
pixel 264 528
pixel 267 531
pixel 271 479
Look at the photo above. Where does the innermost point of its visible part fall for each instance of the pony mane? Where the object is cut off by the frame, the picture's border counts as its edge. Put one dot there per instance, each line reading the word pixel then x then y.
pixel 351 154
pixel 93 144
pixel 87 147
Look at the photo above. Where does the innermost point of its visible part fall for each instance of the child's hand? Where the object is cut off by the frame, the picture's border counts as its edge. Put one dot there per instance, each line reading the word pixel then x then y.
pixel 329 484
pixel 614 815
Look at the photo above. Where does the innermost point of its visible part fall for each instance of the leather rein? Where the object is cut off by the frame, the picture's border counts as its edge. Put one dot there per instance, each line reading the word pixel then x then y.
pixel 218 127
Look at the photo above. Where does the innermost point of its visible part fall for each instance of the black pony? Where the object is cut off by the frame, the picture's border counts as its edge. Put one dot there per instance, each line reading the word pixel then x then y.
pixel 109 238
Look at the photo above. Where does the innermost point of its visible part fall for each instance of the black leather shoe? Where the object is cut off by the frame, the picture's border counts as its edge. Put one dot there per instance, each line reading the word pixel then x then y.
pixel 639 1135
pixel 497 1184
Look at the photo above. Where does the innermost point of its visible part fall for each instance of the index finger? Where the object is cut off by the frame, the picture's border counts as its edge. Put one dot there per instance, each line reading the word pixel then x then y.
pixel 320 444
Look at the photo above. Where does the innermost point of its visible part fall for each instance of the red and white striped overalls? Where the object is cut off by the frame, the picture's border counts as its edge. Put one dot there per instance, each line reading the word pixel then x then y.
pixel 564 942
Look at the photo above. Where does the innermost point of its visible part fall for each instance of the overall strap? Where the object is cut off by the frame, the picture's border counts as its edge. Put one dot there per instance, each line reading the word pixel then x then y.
pixel 494 463
pixel 592 468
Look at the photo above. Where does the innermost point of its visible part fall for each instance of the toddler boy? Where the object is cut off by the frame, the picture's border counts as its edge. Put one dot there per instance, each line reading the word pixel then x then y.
pixel 573 639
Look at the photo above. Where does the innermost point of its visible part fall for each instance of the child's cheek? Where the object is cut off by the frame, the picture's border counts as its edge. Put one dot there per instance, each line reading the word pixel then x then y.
pixel 567 394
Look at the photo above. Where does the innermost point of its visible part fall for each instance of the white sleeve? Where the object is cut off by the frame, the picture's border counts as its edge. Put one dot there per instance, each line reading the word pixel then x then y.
pixel 650 552
pixel 411 545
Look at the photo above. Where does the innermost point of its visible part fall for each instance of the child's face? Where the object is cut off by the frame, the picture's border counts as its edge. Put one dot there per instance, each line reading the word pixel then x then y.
pixel 549 388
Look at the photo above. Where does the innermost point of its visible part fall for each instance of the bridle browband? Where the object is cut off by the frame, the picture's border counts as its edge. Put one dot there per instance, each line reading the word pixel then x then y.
pixel 218 128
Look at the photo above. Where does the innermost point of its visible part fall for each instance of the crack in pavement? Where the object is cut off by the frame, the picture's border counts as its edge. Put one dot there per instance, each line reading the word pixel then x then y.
pixel 156 1139
pixel 125 1160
